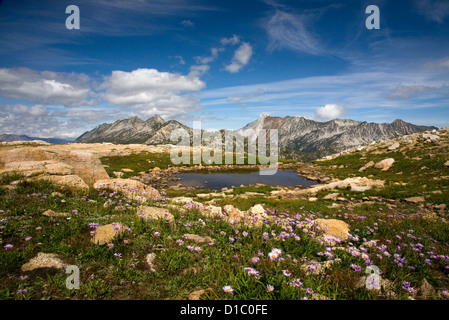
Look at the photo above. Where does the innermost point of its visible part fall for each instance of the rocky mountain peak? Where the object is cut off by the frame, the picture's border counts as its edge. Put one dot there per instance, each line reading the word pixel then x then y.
pixel 298 137
pixel 155 119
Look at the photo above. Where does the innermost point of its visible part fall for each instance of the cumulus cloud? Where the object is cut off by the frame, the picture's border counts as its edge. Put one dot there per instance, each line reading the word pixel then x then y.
pixel 33 111
pixel 38 121
pixel 90 115
pixel 329 112
pixel 44 87
pixel 151 91
pixel 241 58
pixel 50 104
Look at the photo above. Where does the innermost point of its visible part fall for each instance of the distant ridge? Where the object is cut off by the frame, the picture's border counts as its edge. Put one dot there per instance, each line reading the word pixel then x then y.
pixel 299 138
pixel 6 137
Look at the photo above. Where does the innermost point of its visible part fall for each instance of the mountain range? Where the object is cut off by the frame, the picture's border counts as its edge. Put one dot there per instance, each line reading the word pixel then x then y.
pixel 299 138
pixel 7 137
pixel 134 130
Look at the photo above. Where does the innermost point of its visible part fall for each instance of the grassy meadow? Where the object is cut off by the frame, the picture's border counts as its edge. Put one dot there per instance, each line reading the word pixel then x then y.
pixel 282 259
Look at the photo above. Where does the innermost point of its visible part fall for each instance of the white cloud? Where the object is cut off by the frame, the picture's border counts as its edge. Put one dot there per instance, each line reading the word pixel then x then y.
pixel 241 58
pixel 208 59
pixel 148 81
pixel 198 70
pixel 288 30
pixel 235 39
pixel 203 63
pixel 329 112
pixel 44 87
pixel 38 121
pixel 150 91
pixel 33 111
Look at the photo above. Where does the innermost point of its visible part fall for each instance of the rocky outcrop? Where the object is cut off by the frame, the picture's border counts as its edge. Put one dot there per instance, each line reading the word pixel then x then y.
pixel 354 184
pixel 86 165
pixel 72 181
pixel 154 213
pixel 253 217
pixel 394 146
pixel 149 259
pixel 36 168
pixel 415 200
pixel 50 213
pixel 131 188
pixel 366 166
pixel 385 164
pixel 199 239
pixel 43 260
pixel 105 234
pixel 62 166
pixel 334 228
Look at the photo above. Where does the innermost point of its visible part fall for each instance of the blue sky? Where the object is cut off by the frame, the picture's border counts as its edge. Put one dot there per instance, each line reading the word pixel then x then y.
pixel 221 62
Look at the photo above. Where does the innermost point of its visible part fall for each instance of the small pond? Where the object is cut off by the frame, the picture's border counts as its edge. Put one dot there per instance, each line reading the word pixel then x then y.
pixel 218 180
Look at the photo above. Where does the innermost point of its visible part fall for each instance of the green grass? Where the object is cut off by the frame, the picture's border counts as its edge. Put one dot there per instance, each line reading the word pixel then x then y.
pixel 180 271
pixel 408 177
pixel 145 161
pixel 137 162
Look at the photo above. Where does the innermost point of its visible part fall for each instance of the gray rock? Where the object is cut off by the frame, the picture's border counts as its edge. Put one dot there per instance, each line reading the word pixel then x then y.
pixel 105 234
pixel 426 290
pixel 149 258
pixel 360 188
pixel 199 239
pixel 367 165
pixel 51 213
pixel 43 260
pixel 415 199
pixel 384 164
pixel 331 196
pixel 430 137
pixel 394 146
pixel 154 213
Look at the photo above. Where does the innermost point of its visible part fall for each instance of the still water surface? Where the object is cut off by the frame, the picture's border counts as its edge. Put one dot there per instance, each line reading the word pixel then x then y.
pixel 218 180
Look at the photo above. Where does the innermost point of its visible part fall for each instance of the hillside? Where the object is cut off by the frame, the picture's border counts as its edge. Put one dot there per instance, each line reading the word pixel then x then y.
pixel 415 168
